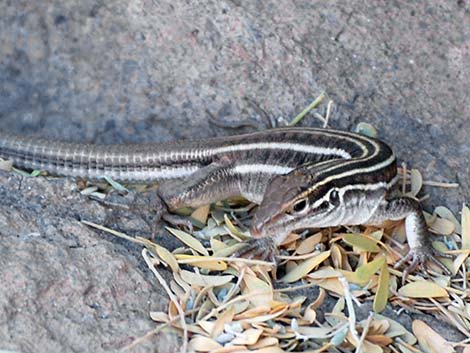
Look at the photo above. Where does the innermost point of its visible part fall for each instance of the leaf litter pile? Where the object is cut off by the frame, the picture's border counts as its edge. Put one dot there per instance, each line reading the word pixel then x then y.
pixel 220 303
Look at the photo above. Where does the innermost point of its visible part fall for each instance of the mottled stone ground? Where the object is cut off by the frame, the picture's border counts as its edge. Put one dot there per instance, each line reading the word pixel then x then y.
pixel 115 71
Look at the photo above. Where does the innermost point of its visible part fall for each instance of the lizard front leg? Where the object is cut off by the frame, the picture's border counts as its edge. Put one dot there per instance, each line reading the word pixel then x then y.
pixel 417 232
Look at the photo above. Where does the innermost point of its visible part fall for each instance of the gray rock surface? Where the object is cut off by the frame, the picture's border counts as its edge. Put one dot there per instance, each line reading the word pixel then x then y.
pixel 128 71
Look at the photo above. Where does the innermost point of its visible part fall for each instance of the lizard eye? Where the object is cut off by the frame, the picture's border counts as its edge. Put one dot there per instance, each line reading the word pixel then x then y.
pixel 334 197
pixel 300 206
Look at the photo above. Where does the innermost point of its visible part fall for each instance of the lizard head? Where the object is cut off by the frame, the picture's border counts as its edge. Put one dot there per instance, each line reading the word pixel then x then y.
pixel 301 199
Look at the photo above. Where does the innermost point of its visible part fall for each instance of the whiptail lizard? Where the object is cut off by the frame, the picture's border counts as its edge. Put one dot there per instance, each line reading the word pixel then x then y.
pixel 300 177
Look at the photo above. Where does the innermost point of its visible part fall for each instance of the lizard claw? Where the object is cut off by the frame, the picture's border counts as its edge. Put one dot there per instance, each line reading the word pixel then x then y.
pixel 418 256
pixel 260 248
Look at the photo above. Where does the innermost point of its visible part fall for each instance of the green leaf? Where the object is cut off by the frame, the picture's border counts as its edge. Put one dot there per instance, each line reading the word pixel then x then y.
pixel 361 242
pixel 381 297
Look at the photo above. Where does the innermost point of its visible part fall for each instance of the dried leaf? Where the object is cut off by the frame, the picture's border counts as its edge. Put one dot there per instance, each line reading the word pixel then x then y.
pixel 315 332
pixel 260 293
pixel 416 181
pixel 365 272
pixel 200 214
pixel 217 245
pixel 442 226
pixel 459 261
pixel 225 318
pixel 381 296
pixel 310 315
pixel 422 289
pixel 203 344
pixel 234 230
pixel 269 350
pixel 163 253
pixel 429 339
pixel 196 279
pixel 159 316
pixel 202 262
pixel 381 340
pixel 369 347
pixel 465 227
pixel 265 342
pixel 396 330
pixel 231 349
pixel 305 267
pixel 361 242
pixel 336 256
pixel 307 245
pixel 280 311
pixel 444 212
pixel 207 326
pixel 248 337
pixel 189 240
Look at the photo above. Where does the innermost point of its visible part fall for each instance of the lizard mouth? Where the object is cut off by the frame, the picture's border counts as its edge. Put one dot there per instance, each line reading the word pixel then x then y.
pixel 272 227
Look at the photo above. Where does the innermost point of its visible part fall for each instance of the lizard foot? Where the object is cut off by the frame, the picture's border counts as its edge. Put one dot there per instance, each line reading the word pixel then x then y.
pixel 260 248
pixel 418 256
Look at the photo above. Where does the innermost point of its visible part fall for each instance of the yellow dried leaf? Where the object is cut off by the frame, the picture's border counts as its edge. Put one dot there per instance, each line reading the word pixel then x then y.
pixel 351 277
pixel 305 267
pixel 320 299
pixel 207 326
pixel 229 250
pixel 336 256
pixel 307 245
pixel 217 245
pixel 164 254
pixel 189 240
pixel 444 212
pixel 465 227
pixel 381 296
pixel 260 293
pixel 331 284
pixel 429 339
pixel 459 260
pixel 365 272
pixel 253 312
pixel 200 214
pixel 265 342
pixel 265 318
pixel 203 344
pixel 361 242
pixel 440 246
pixel 422 289
pixel 225 318
pixel 396 330
pixel 315 332
pixel 196 279
pixel 234 230
pixel 369 347
pixel 416 181
pixel 231 349
pixel 269 350
pixel 202 262
pixel 442 226
pixel 248 337
pixel 290 240
pixel 325 272
pixel 310 315
pixel 159 316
